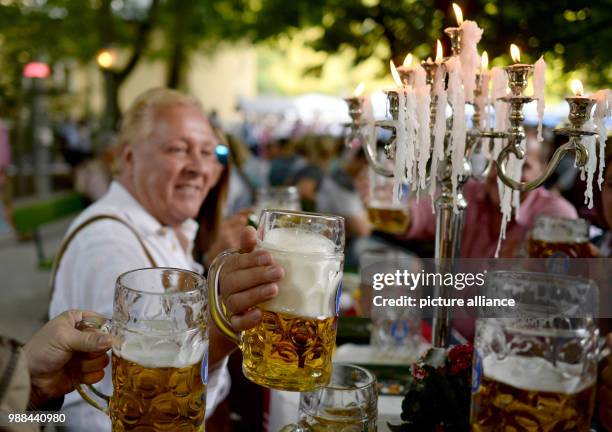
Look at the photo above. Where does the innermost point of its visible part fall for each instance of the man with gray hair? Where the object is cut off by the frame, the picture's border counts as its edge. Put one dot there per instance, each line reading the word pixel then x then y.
pixel 168 166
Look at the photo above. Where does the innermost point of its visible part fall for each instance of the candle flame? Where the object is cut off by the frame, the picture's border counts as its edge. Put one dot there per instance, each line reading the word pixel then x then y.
pixel 439 51
pixel 395 74
pixel 458 13
pixel 515 53
pixel 359 90
pixel 407 60
pixel 484 63
pixel 577 87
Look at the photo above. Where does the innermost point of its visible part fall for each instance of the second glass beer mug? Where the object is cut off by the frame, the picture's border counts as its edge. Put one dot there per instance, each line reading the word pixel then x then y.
pixel 558 237
pixel 348 404
pixel 535 368
pixel 291 349
pixel 160 351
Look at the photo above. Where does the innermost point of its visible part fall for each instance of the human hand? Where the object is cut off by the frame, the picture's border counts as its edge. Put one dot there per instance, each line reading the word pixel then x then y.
pixel 605 391
pixel 247 280
pixel 58 355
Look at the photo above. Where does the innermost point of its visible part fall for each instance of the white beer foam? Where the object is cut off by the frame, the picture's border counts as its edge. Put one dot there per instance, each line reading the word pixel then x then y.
pixel 536 374
pixel 312 272
pixel 157 351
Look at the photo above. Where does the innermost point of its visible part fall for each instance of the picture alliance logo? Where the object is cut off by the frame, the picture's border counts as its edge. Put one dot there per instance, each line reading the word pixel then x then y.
pixel 413 280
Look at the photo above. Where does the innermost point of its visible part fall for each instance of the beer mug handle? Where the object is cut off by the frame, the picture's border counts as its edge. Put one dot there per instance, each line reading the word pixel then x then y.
pixel 217 308
pixel 89 393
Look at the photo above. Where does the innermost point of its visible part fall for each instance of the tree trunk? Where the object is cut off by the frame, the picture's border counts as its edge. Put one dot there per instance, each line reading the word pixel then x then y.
pixel 112 115
pixel 175 78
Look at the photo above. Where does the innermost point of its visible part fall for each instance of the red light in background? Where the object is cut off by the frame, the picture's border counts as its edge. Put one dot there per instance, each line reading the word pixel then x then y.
pixel 36 70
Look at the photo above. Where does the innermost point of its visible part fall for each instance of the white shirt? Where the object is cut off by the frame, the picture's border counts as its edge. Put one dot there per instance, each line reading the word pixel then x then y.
pixel 88 271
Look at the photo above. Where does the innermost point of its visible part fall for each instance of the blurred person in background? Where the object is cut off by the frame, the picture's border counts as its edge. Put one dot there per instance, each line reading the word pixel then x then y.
pixel 339 195
pixel 604 241
pixel 318 151
pixel 218 232
pixel 244 179
pixel 284 160
pixel 37 375
pixel 168 167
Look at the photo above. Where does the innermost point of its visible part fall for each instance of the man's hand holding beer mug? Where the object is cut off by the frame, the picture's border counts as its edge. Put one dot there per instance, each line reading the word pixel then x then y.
pixel 59 355
pixel 277 298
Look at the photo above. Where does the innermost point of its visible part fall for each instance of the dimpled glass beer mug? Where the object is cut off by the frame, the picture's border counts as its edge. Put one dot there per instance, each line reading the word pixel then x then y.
pixel 347 404
pixel 535 365
pixel 558 237
pixel 160 350
pixel 291 348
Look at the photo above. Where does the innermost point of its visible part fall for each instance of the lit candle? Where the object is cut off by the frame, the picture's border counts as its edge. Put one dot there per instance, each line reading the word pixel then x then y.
pixel 439 52
pixel 580 118
pixel 470 60
pixel 515 53
pixel 518 73
pixel 458 14
pixel 482 101
pixel 406 71
pixel 405 142
pixel 439 128
pixel 359 90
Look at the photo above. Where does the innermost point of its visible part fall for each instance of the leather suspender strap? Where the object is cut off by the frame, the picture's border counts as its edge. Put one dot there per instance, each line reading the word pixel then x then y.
pixel 83 225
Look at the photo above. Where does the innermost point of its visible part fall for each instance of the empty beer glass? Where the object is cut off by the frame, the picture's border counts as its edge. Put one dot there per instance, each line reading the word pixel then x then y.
pixel 558 237
pixel 160 351
pixel 291 349
pixel 347 404
pixel 535 367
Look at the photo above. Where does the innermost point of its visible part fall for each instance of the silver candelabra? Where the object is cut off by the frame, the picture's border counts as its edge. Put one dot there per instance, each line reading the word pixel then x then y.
pixel 450 209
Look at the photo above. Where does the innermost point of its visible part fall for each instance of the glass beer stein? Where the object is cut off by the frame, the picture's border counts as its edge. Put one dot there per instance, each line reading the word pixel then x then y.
pixel 291 349
pixel 535 367
pixel 160 352
pixel 348 403
pixel 559 238
pixel 279 197
pixel 384 214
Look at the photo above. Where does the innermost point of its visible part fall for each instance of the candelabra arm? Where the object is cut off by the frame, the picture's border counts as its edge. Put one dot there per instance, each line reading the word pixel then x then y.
pixel 582 156
pixel 378 168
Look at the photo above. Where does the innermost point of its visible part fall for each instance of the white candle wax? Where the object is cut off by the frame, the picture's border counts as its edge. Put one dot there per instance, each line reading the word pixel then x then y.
pixel 499 85
pixel 456 98
pixel 470 60
pixel 539 83
pixel 423 100
pixel 439 130
pixel 601 112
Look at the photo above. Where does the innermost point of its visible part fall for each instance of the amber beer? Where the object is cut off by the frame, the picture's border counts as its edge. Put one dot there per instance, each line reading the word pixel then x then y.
pixel 506 401
pixel 389 219
pixel 292 346
pixel 287 347
pixel 156 398
pixel 559 237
